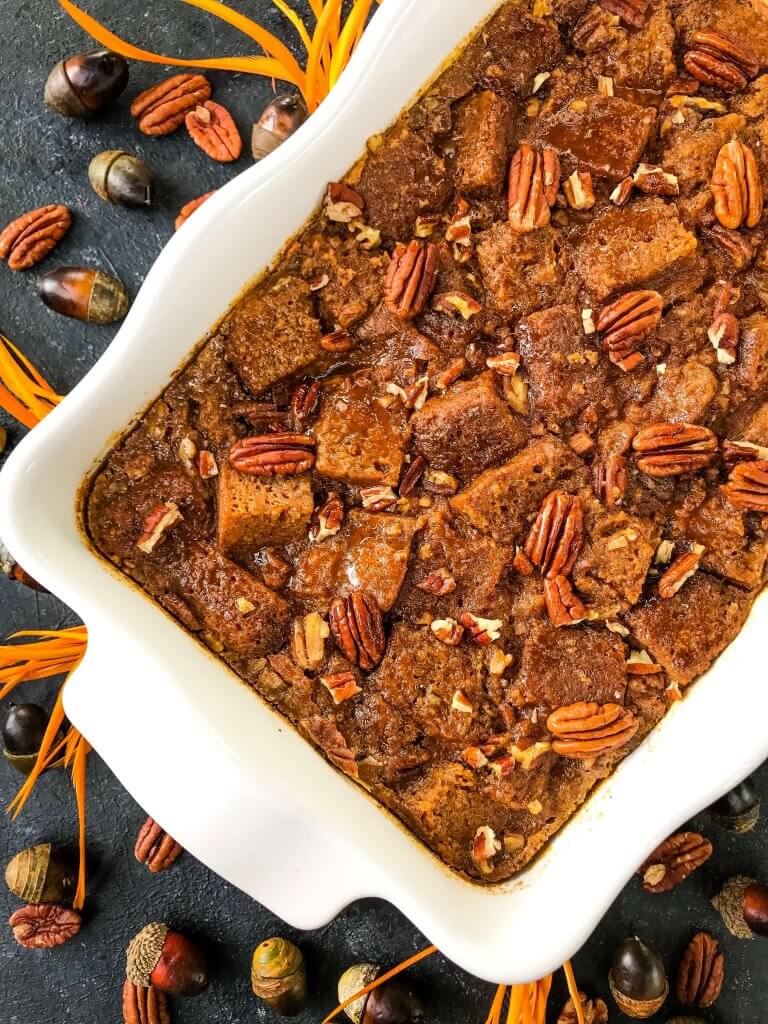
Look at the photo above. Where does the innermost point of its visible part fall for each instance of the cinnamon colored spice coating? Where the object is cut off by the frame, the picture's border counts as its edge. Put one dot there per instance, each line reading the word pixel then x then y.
pixel 472 485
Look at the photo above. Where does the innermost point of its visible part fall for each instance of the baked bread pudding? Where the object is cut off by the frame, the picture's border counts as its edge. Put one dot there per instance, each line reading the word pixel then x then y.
pixel 474 482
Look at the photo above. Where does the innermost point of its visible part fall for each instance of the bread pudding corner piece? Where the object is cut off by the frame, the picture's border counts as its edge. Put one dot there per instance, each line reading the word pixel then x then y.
pixel 521 273
pixel 467 429
pixel 371 552
pixel 253 512
pixel 565 369
pixel 216 589
pixel 605 135
pixel 684 634
pixel 639 58
pixel 482 129
pixel 504 501
pixel 360 438
pixel 689 150
pixel 355 277
pixel 618 552
pixel 643 245
pixel 273 333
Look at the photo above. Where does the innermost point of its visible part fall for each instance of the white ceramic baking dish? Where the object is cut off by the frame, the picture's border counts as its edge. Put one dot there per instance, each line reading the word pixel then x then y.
pixel 222 772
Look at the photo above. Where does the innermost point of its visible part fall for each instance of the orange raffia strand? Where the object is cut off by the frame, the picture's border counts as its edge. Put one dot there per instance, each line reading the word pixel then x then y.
pixel 75 758
pixel 24 393
pixel 342 50
pixel 573 991
pixel 55 652
pixel 296 21
pixel 381 980
pixel 54 724
pixel 268 67
pixel 317 80
pixel 494 1016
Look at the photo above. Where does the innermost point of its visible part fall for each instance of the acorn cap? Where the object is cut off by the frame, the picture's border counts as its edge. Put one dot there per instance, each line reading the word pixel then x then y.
pixel 356 977
pixel 23 763
pixel 36 876
pixel 639 1009
pixel 729 902
pixel 143 952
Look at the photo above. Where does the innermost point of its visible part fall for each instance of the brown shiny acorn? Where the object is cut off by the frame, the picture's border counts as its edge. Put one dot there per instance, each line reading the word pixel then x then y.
pixel 281 118
pixel 739 809
pixel 84 294
pixel 38 875
pixel 23 732
pixel 83 85
pixel 278 976
pixel 390 1003
pixel 168 960
pixel 638 980
pixel 755 908
pixel 121 178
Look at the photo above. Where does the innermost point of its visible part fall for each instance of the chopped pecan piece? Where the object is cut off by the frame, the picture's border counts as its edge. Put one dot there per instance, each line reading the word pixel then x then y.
pixel 623 192
pixel 157 524
pixel 639 663
pixel 342 203
pixel 377 498
pixel 338 342
pixel 332 743
pixel 534 180
pixel 673 861
pixel 44 925
pixel 447 631
pixel 743 451
pixel 275 569
pixel 522 564
pixel 587 730
pixel 507 363
pixel 581 443
pixel 736 186
pixel 155 848
pixel 273 454
pixel 717 60
pixel 457 304
pixel 677 575
pixel 630 11
pixel 461 703
pixel 438 583
pixel 308 640
pixel 579 190
pixel 451 374
pixel 655 181
pixel 747 487
pixel 412 476
pixel 207 466
pixel 410 279
pixel 673 449
pixel 482 631
pixel 594 29
pixel 485 846
pixel 740 250
pixel 611 479
pixel 702 972
pixel 459 231
pixel 342 686
pixel 724 336
pixel 416 394
pixel 358 629
pixel 328 519
pixel 627 322
pixel 557 535
pixel 144 1005
pixel 304 401
pixel 563 604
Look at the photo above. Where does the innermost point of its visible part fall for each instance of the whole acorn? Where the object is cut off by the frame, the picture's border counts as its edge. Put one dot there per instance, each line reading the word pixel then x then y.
pixel 121 178
pixel 281 118
pixel 23 732
pixel 278 976
pixel 743 906
pixel 638 980
pixel 738 810
pixel 83 85
pixel 38 875
pixel 166 959
pixel 390 1003
pixel 84 294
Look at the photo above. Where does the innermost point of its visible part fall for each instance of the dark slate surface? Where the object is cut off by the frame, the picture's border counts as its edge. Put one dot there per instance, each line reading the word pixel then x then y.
pixel 43 159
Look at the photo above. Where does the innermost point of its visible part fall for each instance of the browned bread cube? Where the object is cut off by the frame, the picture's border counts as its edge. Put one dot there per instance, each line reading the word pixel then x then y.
pixel 639 58
pixel 401 180
pixel 254 512
pixel 520 272
pixel 689 151
pixel 565 666
pixel 360 441
pixel 503 501
pixel 618 551
pixel 468 429
pixel 216 589
pixel 513 48
pixel 752 365
pixel 371 552
pixel 643 245
pixel 686 633
pixel 683 395
pixel 482 128
pixel 565 370
pixel 273 334
pixel 732 550
pixel 605 135
pixel 355 278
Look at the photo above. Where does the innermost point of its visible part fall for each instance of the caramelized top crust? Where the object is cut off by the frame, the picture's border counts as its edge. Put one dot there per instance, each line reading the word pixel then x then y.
pixel 474 482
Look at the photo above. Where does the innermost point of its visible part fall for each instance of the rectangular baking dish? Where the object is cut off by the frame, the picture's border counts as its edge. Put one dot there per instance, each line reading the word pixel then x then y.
pixel 222 772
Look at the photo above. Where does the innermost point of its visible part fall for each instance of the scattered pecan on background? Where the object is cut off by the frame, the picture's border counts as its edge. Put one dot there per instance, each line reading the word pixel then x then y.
pixel 357 627
pixel 189 208
pixel 29 238
pixel 702 972
pixel 155 848
pixel 162 108
pixel 213 129
pixel 672 862
pixel 44 925
pixel 144 1005
pixel 595 1011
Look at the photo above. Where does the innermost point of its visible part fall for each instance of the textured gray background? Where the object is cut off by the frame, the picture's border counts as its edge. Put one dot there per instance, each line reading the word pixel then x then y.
pixel 43 158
